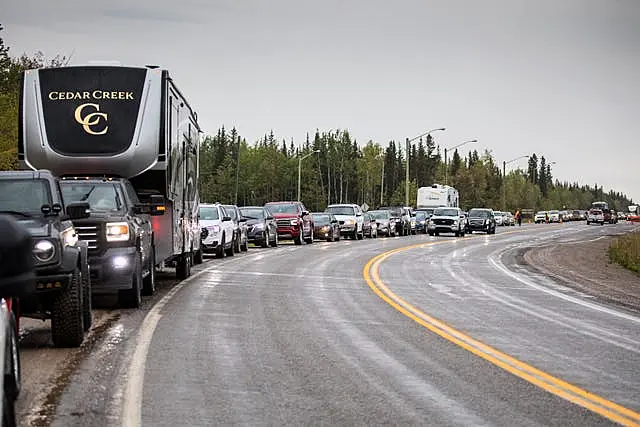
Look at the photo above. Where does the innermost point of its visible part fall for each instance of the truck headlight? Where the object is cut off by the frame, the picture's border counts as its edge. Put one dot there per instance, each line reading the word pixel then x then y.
pixel 117 232
pixel 69 237
pixel 44 251
pixel 349 222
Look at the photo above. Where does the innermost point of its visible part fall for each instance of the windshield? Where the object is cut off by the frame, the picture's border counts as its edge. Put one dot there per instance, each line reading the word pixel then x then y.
pixel 341 210
pixel 285 208
pixel 380 214
pixel 252 213
pixel 478 213
pixel 445 212
pixel 321 219
pixel 208 213
pixel 420 215
pixel 25 195
pixel 102 197
pixel 231 211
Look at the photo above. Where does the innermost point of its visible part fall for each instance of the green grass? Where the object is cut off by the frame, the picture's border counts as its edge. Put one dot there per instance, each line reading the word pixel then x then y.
pixel 625 251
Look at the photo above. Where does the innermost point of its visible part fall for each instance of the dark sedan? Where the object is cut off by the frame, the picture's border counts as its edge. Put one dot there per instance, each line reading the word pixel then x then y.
pixel 326 226
pixel 261 226
pixel 481 219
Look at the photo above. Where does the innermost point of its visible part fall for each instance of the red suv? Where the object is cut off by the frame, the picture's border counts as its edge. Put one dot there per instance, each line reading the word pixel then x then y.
pixel 294 221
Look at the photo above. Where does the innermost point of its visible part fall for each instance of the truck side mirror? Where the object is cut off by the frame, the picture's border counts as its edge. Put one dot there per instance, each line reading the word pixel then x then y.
pixel 78 210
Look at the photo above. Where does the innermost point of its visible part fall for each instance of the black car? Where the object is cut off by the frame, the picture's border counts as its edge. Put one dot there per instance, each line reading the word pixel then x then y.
pixel 326 226
pixel 17 279
pixel 262 228
pixel 481 219
pixel 63 286
pixel 240 239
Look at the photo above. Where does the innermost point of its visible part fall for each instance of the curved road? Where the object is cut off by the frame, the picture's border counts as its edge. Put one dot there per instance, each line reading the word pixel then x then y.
pixel 413 331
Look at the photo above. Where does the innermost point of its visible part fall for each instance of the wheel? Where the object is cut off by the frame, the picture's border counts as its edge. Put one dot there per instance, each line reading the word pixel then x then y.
pixel 87 315
pixel 197 257
pixel 231 250
pixel 244 247
pixel 298 239
pixel 132 298
pixel 309 240
pixel 274 244
pixel 236 244
pixel 457 234
pixel 265 239
pixel 220 248
pixel 360 235
pixel 8 410
pixel 67 321
pixel 149 282
pixel 13 382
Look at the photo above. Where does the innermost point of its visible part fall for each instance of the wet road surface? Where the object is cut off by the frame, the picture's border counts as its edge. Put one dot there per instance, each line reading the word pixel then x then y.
pixel 297 336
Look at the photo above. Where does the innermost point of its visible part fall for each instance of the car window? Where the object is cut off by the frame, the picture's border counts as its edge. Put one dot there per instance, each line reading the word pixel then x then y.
pixel 209 213
pixel 341 210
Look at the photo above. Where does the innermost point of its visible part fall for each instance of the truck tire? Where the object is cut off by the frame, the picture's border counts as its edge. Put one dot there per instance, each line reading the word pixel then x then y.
pixel 309 239
pixel 8 410
pixel 86 297
pixel 183 266
pixel 132 298
pixel 67 321
pixel 149 282
pixel 198 257
pixel 244 247
pixel 298 240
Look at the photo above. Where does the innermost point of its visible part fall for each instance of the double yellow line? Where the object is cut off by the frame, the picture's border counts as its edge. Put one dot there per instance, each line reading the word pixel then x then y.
pixel 586 399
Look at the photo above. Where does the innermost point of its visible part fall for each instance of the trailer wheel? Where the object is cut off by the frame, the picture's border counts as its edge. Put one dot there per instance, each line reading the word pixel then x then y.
pixel 183 266
pixel 67 325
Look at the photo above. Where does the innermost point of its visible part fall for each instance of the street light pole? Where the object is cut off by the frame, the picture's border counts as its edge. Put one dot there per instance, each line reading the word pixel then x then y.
pixel 446 165
pixel 382 183
pixel 300 159
pixel 406 183
pixel 504 177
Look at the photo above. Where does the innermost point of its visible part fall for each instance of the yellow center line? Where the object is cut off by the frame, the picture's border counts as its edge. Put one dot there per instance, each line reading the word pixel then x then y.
pixel 570 392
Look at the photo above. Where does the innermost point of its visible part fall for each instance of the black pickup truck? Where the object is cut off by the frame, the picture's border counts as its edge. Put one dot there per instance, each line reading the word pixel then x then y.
pixel 63 286
pixel 119 234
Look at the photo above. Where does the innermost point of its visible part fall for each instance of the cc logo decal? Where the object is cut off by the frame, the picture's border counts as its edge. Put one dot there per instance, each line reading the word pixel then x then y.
pixel 91 119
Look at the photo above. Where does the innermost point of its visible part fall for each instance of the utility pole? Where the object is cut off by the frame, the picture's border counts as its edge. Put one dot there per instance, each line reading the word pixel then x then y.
pixel 235 202
pixel 382 184
pixel 406 182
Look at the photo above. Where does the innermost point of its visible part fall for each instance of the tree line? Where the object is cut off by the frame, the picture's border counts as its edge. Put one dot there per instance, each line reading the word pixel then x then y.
pixel 337 169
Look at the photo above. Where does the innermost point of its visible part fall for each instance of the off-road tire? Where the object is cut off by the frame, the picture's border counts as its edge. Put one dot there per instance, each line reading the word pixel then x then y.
pixel 67 321
pixel 149 282
pixel 86 296
pixel 132 298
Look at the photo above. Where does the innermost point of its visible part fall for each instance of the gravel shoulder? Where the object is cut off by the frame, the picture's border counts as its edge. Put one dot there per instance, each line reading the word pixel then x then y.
pixel 585 266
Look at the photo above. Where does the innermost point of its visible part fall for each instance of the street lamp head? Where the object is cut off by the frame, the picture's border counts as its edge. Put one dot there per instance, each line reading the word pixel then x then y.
pixel 473 141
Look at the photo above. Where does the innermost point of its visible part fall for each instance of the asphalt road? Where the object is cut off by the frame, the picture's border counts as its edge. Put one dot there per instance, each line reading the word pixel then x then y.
pixel 446 332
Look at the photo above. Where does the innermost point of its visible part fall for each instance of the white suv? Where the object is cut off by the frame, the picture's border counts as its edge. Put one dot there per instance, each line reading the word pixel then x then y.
pixel 350 218
pixel 217 230
pixel 446 220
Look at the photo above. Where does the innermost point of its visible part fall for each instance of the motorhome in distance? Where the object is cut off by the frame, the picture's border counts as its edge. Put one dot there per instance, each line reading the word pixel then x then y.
pixel 437 196
pixel 125 140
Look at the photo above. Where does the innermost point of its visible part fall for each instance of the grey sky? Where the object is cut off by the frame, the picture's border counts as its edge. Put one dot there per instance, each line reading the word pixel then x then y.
pixel 559 78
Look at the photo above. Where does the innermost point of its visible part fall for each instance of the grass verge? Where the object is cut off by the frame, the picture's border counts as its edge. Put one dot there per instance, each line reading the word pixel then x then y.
pixel 625 251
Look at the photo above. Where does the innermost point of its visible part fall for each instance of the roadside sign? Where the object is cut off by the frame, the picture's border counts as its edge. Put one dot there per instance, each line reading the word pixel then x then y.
pixel 526 211
pixel 364 207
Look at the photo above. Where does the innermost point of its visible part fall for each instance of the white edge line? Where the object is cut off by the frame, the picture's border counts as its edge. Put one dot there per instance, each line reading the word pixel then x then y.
pixel 500 266
pixel 132 399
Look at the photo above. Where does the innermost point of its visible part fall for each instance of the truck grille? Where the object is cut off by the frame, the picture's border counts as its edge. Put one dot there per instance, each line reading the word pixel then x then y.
pixel 283 222
pixel 443 221
pixel 90 234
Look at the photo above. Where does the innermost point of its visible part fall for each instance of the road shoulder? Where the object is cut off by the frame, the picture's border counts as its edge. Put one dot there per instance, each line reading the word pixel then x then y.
pixel 585 266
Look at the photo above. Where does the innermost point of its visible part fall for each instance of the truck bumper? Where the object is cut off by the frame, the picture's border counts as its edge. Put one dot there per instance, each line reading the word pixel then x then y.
pixel 288 232
pixel 113 270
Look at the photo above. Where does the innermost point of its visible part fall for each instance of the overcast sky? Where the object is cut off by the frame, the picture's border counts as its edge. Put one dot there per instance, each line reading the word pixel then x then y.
pixel 558 78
